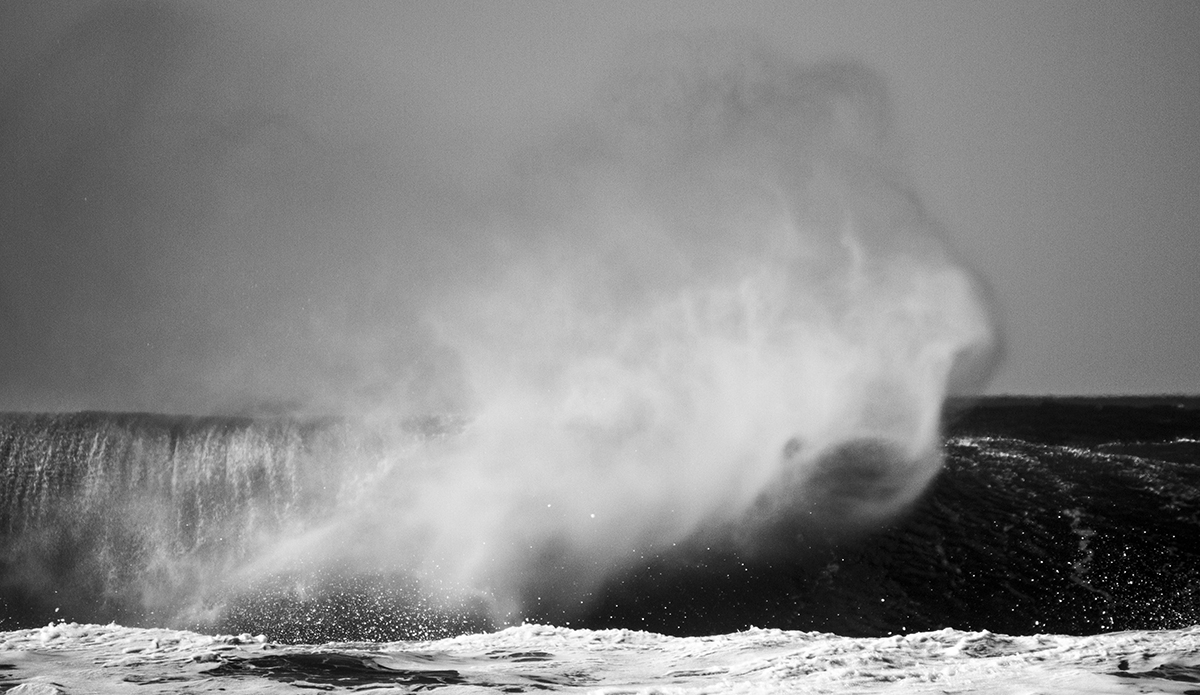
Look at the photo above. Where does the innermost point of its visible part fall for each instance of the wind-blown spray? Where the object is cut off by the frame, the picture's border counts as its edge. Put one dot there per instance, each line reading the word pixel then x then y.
pixel 713 302
pixel 711 306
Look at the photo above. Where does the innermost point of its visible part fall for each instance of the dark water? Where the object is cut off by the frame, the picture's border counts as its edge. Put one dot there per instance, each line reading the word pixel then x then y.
pixel 1063 516
pixel 1050 516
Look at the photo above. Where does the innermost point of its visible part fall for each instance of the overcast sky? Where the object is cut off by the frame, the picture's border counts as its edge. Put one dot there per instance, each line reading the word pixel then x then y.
pixel 171 173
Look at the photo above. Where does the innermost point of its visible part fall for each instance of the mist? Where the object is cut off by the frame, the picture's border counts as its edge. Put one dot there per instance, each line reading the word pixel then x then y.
pixel 706 298
pixel 715 302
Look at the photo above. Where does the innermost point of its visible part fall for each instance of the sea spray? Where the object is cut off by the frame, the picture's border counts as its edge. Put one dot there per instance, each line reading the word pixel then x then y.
pixel 130 515
pixel 710 305
pixel 714 298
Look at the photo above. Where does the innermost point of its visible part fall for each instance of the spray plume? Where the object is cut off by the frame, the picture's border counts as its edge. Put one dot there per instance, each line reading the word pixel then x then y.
pixel 712 304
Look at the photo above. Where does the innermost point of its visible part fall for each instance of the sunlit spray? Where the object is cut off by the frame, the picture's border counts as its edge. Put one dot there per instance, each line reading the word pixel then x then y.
pixel 711 306
pixel 712 302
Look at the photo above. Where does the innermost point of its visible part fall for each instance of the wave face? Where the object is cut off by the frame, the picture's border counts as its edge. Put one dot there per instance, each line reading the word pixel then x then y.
pixel 152 519
pixel 1063 516
pixel 1050 516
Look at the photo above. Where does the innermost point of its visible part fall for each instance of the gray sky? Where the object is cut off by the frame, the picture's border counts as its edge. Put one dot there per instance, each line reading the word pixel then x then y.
pixel 172 173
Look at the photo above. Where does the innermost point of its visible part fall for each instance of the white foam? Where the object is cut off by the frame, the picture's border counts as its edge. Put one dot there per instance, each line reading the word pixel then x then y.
pixel 103 659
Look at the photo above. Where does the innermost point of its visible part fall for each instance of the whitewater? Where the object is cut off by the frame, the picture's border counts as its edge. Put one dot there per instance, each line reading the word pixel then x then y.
pixel 71 658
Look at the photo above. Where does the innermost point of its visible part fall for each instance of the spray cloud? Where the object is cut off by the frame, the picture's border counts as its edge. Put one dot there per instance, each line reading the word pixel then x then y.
pixel 713 302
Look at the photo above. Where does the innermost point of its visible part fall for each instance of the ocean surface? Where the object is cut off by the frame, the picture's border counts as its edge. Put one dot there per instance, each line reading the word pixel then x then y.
pixel 1070 516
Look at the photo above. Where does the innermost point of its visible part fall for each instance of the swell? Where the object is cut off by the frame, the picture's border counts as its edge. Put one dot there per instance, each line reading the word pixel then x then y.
pixel 1049 516
pixel 142 518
